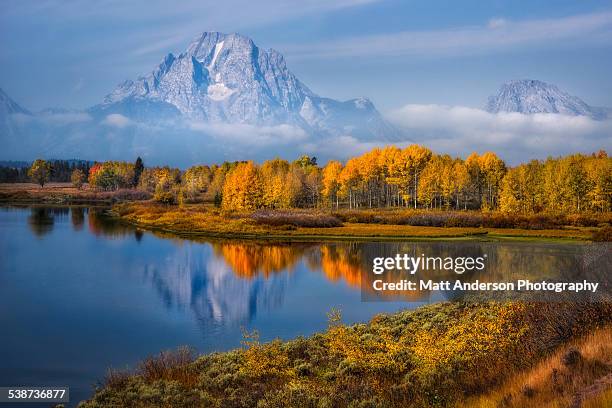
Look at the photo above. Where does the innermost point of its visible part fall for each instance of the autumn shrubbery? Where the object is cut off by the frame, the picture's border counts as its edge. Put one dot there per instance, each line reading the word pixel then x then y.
pixel 436 356
pixel 472 219
pixel 296 218
pixel 129 195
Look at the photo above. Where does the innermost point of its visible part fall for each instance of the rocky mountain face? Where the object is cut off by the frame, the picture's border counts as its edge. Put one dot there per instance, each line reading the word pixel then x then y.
pixel 9 119
pixel 226 78
pixel 532 96
pixel 9 106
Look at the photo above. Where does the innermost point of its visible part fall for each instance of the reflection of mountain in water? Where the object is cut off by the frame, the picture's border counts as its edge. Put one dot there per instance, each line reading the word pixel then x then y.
pixel 228 281
pixel 197 279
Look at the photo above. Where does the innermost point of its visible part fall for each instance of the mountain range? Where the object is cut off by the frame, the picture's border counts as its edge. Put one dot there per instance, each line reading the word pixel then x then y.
pixel 226 97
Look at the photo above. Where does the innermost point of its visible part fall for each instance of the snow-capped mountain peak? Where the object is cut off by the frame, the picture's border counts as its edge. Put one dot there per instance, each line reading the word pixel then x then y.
pixel 533 96
pixel 226 78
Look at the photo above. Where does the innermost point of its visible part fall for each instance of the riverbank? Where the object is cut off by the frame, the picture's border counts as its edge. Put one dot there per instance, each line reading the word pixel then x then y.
pixel 206 220
pixel 438 355
pixel 135 207
pixel 64 194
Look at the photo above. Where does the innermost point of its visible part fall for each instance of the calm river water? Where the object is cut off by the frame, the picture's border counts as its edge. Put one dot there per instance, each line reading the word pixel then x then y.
pixel 80 293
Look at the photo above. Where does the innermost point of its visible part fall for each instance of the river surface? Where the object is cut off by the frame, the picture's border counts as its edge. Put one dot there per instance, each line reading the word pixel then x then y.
pixel 80 293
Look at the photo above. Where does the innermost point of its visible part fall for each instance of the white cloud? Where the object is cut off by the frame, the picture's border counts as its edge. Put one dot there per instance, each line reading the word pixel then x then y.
pixel 342 147
pixel 497 35
pixel 459 130
pixel 249 135
pixel 116 120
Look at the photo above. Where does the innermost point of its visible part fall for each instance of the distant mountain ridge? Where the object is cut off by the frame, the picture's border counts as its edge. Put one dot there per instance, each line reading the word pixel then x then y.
pixel 530 96
pixel 9 106
pixel 173 116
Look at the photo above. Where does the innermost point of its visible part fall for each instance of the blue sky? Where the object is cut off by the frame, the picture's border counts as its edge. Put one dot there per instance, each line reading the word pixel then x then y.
pixel 71 53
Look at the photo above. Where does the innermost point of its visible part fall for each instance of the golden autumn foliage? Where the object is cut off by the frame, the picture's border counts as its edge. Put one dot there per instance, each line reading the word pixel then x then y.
pixel 415 177
pixel 442 355
pixel 242 189
pixel 40 172
pixel 390 177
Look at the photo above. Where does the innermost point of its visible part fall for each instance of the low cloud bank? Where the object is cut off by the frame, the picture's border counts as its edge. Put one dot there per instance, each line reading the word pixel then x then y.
pixel 517 137
pixel 455 130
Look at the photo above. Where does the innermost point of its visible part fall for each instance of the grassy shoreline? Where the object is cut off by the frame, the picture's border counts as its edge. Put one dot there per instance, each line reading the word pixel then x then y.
pixel 63 194
pixel 204 221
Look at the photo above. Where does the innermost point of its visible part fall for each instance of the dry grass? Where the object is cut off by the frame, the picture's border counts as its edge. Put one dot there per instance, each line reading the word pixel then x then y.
pixel 172 365
pixel 31 188
pixel 207 220
pixel 65 193
pixel 578 375
pixel 308 219
pixel 472 218
pixel 602 400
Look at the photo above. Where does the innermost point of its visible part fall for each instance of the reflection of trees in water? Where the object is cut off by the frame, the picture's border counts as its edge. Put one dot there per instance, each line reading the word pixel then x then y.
pixel 340 262
pixel 250 259
pixel 346 262
pixel 101 225
pixel 77 216
pixel 42 219
pixel 352 263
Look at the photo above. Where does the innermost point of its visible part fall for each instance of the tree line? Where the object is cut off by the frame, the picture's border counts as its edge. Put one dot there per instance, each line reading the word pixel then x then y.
pixel 60 171
pixel 393 177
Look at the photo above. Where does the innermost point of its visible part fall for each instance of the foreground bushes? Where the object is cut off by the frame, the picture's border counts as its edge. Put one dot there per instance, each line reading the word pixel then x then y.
pixel 434 356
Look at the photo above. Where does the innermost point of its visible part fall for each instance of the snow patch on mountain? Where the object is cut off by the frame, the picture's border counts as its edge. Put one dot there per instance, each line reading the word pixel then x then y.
pixel 218 48
pixel 219 92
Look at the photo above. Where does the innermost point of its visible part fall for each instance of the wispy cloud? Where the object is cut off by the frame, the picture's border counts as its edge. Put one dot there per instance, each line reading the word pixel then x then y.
pixel 194 15
pixel 496 35
pixel 250 135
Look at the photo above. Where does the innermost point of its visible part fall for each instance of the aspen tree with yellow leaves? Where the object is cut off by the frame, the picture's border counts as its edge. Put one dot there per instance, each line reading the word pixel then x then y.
pixel 331 181
pixel 243 189
pixel 382 177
